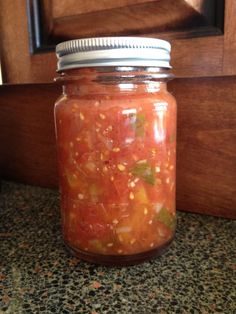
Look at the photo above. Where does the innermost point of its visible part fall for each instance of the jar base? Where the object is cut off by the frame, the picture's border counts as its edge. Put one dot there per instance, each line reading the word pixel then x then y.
pixel 118 260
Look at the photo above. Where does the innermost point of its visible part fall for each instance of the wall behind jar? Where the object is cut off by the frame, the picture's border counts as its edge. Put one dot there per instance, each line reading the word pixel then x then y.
pixel 204 43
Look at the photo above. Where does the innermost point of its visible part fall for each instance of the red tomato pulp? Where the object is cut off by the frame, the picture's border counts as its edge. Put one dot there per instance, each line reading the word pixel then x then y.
pixel 117 170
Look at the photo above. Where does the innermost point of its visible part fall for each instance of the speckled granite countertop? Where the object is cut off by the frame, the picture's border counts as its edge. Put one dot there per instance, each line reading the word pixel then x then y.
pixel 37 275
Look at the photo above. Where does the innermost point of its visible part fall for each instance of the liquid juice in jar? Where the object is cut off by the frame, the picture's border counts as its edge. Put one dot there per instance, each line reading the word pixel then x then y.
pixel 116 149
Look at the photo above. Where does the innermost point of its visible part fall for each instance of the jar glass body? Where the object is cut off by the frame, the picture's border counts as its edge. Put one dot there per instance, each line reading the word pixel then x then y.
pixel 116 139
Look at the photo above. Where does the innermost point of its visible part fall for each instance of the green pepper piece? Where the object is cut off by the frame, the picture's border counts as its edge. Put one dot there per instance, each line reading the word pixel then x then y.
pixel 165 217
pixel 172 138
pixel 94 192
pixel 139 124
pixel 145 172
pixel 97 245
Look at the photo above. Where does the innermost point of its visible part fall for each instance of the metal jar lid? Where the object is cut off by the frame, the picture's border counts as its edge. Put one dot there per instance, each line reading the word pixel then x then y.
pixel 113 51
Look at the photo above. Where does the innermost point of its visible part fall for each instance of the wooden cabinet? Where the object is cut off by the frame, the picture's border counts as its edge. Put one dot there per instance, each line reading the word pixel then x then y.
pixel 203 38
pixel 201 32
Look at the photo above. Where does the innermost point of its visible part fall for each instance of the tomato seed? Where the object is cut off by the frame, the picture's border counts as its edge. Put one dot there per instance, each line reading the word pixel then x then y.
pixel 116 149
pixel 121 167
pixel 142 161
pixel 105 169
pixel 132 184
pixel 102 116
pixel 131 195
pixel 80 196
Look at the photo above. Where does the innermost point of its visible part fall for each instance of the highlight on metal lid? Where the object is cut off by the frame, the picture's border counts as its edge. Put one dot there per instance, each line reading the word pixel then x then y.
pixel 113 51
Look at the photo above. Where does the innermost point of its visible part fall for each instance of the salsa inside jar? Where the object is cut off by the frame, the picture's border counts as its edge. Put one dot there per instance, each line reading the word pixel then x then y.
pixel 116 150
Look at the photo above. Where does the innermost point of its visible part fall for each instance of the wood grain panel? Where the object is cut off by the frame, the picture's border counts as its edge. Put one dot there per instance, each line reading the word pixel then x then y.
pixel 191 57
pixel 18 65
pixel 229 64
pixel 197 5
pixel 137 19
pixel 197 56
pixel 62 8
pixel 11 38
pixel 206 162
pixel 206 154
pixel 28 152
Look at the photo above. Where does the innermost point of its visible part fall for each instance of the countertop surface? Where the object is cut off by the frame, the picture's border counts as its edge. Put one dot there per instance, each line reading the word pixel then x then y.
pixel 197 274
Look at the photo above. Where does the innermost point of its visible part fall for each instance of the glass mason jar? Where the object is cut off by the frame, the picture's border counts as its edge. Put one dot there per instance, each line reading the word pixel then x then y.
pixel 116 138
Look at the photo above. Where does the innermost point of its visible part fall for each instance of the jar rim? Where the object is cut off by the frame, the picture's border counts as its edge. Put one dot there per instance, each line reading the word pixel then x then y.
pixel 115 74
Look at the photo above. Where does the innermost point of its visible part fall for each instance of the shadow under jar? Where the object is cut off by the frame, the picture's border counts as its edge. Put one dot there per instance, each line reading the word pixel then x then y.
pixel 116 139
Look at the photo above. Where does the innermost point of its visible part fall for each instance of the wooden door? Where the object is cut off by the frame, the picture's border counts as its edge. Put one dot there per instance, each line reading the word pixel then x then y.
pixel 201 32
